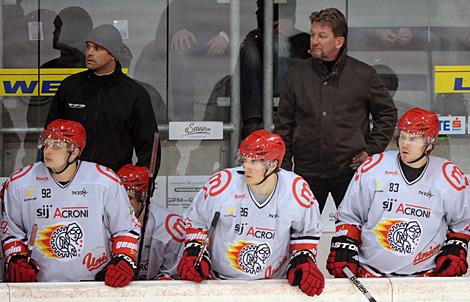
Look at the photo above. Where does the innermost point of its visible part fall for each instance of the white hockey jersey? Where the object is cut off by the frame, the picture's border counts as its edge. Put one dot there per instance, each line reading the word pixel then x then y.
pixel 163 243
pixel 252 240
pixel 404 224
pixel 80 225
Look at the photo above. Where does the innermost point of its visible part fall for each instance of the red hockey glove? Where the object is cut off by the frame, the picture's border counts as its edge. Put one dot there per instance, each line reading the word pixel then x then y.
pixel 118 272
pixel 452 258
pixel 303 271
pixel 21 271
pixel 186 269
pixel 343 252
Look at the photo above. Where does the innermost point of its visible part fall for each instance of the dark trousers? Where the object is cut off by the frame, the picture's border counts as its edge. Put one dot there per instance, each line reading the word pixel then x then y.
pixel 337 186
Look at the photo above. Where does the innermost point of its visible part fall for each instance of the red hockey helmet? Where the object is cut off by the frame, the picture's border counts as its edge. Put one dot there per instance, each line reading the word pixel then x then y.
pixel 69 131
pixel 262 144
pixel 134 178
pixel 419 121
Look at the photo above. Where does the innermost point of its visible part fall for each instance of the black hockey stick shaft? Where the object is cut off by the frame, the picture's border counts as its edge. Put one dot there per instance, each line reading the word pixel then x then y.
pixel 153 163
pixel 358 284
pixel 207 241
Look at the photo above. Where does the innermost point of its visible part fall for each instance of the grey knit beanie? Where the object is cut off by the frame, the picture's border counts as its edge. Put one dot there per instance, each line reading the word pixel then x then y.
pixel 107 36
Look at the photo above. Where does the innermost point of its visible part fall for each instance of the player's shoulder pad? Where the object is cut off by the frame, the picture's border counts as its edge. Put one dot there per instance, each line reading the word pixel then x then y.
pixel 453 176
pixel 373 163
pixel 103 172
pixel 295 186
pixel 220 182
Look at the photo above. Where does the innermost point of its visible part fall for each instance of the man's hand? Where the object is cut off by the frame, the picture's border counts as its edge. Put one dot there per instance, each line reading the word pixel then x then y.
pixel 119 272
pixel 452 258
pixel 303 271
pixel 21 271
pixel 343 252
pixel 405 35
pixel 387 37
pixel 186 267
pixel 217 46
pixel 182 39
pixel 358 159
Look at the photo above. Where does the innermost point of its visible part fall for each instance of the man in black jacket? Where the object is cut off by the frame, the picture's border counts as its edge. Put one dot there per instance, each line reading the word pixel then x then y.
pixel 324 111
pixel 112 107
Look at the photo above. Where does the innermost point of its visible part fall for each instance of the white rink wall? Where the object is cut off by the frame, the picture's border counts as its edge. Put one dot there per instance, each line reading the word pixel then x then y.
pixel 383 290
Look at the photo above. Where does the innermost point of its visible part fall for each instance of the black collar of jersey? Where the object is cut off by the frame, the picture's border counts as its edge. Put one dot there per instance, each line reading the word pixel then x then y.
pixel 411 175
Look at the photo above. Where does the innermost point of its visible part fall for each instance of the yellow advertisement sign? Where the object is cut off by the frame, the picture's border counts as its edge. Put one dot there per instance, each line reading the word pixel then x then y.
pixel 452 79
pixel 27 82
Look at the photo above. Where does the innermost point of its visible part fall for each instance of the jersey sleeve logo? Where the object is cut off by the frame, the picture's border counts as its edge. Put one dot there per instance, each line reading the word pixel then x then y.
pixel 247 257
pixel 454 176
pixel 217 184
pixel 61 241
pixel 398 236
pixel 175 227
pixel 368 165
pixel 302 193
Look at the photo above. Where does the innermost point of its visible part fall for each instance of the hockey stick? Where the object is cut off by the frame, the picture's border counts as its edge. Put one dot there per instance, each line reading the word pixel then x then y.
pixel 207 241
pixel 358 284
pixel 32 239
pixel 153 163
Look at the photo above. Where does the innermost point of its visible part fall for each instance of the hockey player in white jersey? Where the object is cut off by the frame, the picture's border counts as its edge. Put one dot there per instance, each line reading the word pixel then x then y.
pixel 86 226
pixel 405 213
pixel 165 230
pixel 269 222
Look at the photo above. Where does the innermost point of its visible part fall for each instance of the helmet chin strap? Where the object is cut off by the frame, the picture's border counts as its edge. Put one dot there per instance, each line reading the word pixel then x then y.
pixel 266 176
pixel 66 165
pixel 425 153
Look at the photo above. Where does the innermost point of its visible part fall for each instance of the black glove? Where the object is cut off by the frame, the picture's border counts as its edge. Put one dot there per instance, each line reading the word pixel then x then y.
pixel 452 258
pixel 344 252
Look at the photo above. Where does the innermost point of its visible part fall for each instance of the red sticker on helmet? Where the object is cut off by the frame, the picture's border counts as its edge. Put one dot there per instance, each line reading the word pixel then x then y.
pixel 175 227
pixel 217 184
pixel 454 176
pixel 302 193
pixel 368 164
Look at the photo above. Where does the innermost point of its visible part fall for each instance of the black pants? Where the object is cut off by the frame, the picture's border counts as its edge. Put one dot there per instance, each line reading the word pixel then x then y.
pixel 337 186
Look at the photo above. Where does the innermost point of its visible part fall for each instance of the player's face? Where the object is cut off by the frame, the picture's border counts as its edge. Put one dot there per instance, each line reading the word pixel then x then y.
pixel 99 59
pixel 323 44
pixel 136 204
pixel 55 154
pixel 412 146
pixel 255 170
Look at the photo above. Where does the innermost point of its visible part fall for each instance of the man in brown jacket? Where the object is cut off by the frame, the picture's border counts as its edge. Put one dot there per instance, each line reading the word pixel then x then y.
pixel 325 107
